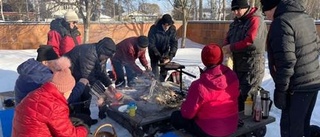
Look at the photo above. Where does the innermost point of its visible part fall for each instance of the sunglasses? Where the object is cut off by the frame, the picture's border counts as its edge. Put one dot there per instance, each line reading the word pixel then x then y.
pixel 75 22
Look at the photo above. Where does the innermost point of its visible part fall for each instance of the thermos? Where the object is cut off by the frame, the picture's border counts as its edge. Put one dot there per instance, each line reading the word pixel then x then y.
pixel 266 103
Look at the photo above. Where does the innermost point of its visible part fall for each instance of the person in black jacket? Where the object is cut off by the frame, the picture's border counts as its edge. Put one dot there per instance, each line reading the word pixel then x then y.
pixel 89 61
pixel 293 53
pixel 246 42
pixel 163 45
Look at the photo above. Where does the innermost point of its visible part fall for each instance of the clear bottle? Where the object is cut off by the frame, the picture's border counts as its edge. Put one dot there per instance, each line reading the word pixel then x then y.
pixel 248 106
pixel 257 110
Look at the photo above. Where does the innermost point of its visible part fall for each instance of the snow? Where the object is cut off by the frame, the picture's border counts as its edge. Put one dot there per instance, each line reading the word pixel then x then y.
pixel 189 56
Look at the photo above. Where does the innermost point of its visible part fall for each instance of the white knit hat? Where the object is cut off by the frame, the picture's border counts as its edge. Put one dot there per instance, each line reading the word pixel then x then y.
pixel 70 16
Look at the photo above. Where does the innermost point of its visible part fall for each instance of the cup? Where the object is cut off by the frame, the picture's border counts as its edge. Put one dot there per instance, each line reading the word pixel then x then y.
pixel 132 109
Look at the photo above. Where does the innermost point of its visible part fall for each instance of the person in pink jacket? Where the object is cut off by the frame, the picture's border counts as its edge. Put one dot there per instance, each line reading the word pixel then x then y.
pixel 44 112
pixel 211 105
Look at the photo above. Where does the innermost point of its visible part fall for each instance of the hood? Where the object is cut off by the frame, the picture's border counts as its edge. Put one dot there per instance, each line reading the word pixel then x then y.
pixel 288 6
pixel 251 12
pixel 215 78
pixel 34 70
pixel 106 46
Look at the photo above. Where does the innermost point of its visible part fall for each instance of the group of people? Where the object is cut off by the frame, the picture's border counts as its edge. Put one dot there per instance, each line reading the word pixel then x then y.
pixel 213 101
pixel 53 92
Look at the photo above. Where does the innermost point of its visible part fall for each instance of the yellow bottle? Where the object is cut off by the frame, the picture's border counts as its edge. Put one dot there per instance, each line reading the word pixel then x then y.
pixel 248 106
pixel 132 109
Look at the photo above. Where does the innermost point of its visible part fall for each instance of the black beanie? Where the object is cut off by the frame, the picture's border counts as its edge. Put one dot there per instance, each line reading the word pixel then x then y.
pixel 269 4
pixel 166 18
pixel 46 52
pixel 106 46
pixel 143 41
pixel 239 4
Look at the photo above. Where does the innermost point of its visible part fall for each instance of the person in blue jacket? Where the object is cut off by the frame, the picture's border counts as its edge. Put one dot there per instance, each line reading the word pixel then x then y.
pixel 35 72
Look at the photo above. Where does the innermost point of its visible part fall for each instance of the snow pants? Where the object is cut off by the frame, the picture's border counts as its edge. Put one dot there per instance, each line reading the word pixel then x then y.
pixel 295 118
pixel 178 122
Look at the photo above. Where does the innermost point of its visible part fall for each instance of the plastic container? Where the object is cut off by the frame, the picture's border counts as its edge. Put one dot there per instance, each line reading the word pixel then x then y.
pixel 248 104
pixel 132 109
pixel 6 117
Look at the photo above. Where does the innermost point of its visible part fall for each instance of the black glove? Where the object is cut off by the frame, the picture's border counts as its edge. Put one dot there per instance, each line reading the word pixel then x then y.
pixel 78 122
pixel 157 55
pixel 280 99
pixel 102 112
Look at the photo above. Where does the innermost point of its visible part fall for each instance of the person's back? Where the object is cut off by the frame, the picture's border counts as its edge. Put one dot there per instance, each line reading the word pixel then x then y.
pixel 293 56
pixel 211 105
pixel 33 73
pixel 218 111
pixel 299 26
pixel 48 110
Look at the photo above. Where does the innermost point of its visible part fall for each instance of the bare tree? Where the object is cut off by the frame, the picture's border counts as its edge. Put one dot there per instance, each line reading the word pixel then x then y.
pixel 2 16
pixel 149 8
pixel 200 10
pixel 184 7
pixel 312 7
pixel 214 8
pixel 224 9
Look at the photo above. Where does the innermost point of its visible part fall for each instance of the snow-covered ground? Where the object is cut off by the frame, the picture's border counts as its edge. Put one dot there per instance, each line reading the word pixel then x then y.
pixel 189 56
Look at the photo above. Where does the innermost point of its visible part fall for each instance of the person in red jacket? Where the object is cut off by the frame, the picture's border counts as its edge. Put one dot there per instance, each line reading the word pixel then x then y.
pixel 64 35
pixel 211 105
pixel 44 112
pixel 128 50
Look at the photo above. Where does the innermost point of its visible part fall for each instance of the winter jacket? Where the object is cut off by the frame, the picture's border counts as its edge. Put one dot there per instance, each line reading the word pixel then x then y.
pixel 212 101
pixel 127 52
pixel 86 64
pixel 33 74
pixel 247 39
pixel 62 37
pixel 293 51
pixel 161 43
pixel 45 113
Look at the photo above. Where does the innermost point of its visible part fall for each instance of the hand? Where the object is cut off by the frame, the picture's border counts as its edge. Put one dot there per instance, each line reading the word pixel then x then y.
pixel 280 99
pixel 100 101
pixel 111 89
pixel 148 68
pixel 226 49
pixel 165 60
pixel 84 81
pixel 157 55
pixel 78 122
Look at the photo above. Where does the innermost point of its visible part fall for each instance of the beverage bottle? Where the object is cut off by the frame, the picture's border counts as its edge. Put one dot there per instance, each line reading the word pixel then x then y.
pixel 257 110
pixel 132 109
pixel 248 106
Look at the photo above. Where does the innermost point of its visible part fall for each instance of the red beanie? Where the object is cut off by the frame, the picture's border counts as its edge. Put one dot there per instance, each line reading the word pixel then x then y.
pixel 211 55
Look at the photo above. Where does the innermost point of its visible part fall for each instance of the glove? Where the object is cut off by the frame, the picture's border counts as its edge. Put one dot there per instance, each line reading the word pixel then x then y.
pixel 78 122
pixel 157 55
pixel 102 112
pixel 148 68
pixel 280 99
pixel 165 60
